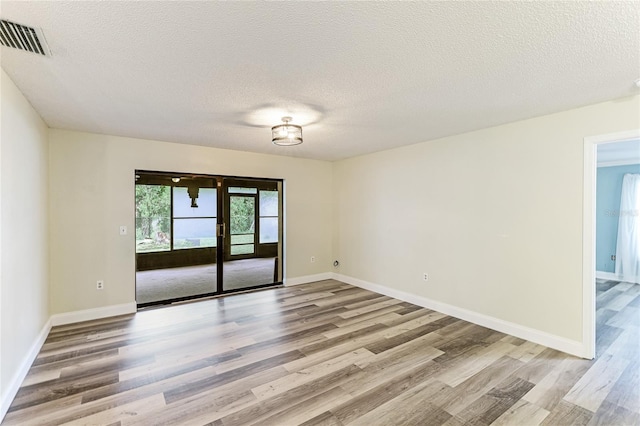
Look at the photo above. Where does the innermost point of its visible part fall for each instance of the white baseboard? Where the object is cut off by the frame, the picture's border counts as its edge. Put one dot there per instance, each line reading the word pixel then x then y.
pixel 601 275
pixel 562 344
pixel 95 313
pixel 308 279
pixel 552 341
pixel 23 369
pixel 57 319
pixel 615 277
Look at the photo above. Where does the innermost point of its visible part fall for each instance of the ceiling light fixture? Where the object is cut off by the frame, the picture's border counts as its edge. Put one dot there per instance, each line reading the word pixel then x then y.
pixel 286 134
pixel 175 179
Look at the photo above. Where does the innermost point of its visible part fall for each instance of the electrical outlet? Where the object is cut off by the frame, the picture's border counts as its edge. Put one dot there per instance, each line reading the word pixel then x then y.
pixel 313 259
pixel 425 277
pixel 613 257
pixel 100 285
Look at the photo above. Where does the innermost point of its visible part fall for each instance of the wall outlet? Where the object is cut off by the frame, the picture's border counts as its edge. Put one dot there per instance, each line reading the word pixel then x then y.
pixel 613 257
pixel 313 259
pixel 100 285
pixel 425 277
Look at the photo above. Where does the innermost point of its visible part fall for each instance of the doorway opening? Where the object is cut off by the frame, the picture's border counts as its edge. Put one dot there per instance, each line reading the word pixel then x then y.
pixel 205 235
pixel 609 298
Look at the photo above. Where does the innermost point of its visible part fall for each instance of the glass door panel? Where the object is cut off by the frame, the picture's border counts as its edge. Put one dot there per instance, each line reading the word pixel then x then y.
pixel 176 245
pixel 252 243
pixel 242 211
pixel 202 235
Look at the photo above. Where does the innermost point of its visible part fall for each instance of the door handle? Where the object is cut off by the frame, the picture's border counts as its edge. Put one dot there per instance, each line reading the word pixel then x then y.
pixel 220 230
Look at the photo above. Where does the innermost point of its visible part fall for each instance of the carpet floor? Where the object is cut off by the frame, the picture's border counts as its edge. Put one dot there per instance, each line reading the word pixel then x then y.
pixel 164 284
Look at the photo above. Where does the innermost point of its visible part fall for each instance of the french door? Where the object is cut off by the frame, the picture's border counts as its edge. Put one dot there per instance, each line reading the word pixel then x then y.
pixel 210 235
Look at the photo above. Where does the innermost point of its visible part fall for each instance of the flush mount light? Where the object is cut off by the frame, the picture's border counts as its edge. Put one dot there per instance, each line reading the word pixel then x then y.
pixel 175 179
pixel 286 134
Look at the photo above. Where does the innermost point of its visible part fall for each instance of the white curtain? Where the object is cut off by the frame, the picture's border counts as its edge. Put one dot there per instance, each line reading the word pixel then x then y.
pixel 628 246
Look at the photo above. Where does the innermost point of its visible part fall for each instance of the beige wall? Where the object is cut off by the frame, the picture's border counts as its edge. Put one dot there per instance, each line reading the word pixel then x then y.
pixel 24 272
pixel 92 187
pixel 494 216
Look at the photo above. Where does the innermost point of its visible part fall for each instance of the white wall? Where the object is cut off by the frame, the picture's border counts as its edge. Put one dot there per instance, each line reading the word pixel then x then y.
pixel 92 187
pixel 24 295
pixel 494 216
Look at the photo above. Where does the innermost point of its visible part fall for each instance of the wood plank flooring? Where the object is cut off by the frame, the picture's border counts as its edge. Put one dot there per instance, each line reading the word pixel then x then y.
pixel 328 353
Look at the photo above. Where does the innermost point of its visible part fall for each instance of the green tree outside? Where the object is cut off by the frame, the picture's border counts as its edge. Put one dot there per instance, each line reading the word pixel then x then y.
pixel 242 214
pixel 153 217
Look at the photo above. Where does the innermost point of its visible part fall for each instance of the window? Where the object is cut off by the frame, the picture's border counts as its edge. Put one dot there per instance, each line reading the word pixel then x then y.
pixel 194 222
pixel 161 220
pixel 268 217
pixel 177 213
pixel 153 218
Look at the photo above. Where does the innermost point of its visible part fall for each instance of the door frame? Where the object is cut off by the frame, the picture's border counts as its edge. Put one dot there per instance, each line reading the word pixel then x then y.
pixel 221 183
pixel 588 234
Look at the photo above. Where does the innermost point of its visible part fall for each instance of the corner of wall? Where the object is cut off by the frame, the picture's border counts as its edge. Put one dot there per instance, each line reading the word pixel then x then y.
pixel 20 374
pixel 24 280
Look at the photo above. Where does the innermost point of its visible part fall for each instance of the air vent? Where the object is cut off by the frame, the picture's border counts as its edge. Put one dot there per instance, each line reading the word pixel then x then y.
pixel 23 38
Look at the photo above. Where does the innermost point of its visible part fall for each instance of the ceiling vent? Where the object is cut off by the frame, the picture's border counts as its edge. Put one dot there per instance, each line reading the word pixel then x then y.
pixel 23 38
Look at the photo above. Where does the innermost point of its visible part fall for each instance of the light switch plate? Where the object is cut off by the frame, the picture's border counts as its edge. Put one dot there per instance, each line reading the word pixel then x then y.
pixel 123 230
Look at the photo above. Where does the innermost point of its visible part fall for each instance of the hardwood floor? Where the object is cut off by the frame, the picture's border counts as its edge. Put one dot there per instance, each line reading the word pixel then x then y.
pixel 328 354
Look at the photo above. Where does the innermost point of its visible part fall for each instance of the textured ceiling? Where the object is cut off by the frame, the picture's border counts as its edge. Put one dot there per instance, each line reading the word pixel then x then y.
pixel 359 76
